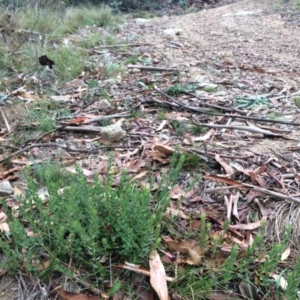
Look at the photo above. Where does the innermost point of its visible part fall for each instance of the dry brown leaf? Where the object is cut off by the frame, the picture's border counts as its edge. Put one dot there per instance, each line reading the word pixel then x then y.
pixel 173 212
pixel 285 254
pixel 164 149
pixel 191 248
pixel 205 137
pixel 137 269
pixel 280 280
pixel 159 156
pixel 41 266
pixel 223 180
pixel 29 232
pixel 248 290
pixel 264 209
pixel 141 174
pixel 118 296
pixel 228 204
pixel 2 271
pixel 261 181
pixel 235 206
pixel 17 191
pixel 4 227
pixel 186 142
pixel 195 225
pixel 249 226
pixel 3 217
pixel 241 244
pixel 216 262
pixel 177 192
pixel 158 276
pixel 162 125
pixel 225 166
pixel 26 95
pixel 64 295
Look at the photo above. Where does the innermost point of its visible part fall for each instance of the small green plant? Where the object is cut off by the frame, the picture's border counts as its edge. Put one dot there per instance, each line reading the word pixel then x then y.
pixel 251 102
pixel 178 89
pixel 133 59
pixel 45 20
pixel 161 115
pixel 297 101
pixel 97 220
pixel 93 83
pixel 111 40
pixel 43 114
pixel 183 3
pixel 91 40
pixel 204 232
pixel 192 161
pixel 69 62
pixel 178 126
pixel 88 15
pixel 145 61
pixel 196 129
pixel 47 172
pixel 293 278
pixel 143 14
pixel 111 69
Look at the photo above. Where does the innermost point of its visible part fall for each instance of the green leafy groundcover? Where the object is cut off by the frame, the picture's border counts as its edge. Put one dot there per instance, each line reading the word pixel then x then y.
pixel 86 222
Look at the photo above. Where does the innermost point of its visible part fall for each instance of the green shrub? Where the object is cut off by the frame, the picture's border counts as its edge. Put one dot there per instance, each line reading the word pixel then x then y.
pixel 101 16
pixel 84 221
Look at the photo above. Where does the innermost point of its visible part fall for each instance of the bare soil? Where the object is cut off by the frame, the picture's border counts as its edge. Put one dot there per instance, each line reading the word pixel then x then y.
pixel 248 46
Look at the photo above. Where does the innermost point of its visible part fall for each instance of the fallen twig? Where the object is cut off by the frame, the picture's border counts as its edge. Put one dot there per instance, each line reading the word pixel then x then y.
pixel 192 108
pixel 245 128
pixel 250 186
pixel 108 117
pixel 149 68
pixel 122 45
pixel 49 132
pixel 5 120
pixel 91 151
pixel 138 270
pixel 271 193
pixel 236 110
pixel 291 95
pixel 91 129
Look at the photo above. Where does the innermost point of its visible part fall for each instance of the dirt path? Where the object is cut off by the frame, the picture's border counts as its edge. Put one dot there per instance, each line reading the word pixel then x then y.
pixel 245 47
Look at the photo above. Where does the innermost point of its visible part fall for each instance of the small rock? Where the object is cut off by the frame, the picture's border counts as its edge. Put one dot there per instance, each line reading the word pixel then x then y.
pixel 104 104
pixel 113 133
pixel 135 70
pixel 48 75
pixel 141 21
pixel 107 83
pixel 60 99
pixel 199 93
pixel 221 93
pixel 173 31
pixel 198 78
pixel 208 87
pixel 5 188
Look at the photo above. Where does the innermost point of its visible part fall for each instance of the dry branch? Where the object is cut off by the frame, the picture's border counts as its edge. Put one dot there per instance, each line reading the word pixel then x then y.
pixel 148 68
pixel 196 109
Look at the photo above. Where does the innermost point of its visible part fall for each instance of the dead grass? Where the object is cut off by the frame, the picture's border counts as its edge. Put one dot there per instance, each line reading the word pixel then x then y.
pixel 284 215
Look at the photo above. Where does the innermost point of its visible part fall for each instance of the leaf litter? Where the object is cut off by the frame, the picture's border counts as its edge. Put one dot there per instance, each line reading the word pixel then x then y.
pixel 222 71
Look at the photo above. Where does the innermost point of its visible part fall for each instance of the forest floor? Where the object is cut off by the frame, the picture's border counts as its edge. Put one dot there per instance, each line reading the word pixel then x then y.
pixel 237 72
